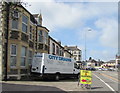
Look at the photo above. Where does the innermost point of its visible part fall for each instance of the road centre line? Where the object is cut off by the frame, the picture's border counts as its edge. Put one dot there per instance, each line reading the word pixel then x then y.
pixel 116 80
pixel 105 83
pixel 111 79
pixel 111 74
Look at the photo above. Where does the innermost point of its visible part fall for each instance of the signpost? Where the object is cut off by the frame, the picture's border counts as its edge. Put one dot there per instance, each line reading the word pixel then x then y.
pixel 85 78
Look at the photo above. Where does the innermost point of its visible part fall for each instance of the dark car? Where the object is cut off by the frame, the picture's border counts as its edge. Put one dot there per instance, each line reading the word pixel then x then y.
pixel 91 69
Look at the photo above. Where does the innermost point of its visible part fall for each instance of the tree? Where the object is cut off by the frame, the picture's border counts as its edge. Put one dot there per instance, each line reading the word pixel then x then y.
pixel 90 58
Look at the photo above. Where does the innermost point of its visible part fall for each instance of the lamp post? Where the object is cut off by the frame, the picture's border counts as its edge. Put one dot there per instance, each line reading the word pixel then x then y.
pixel 89 29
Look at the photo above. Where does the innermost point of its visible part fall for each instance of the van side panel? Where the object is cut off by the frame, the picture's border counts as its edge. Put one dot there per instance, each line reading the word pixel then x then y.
pixel 54 64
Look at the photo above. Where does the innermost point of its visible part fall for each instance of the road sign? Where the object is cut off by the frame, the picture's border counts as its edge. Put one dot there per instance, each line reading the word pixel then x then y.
pixel 85 77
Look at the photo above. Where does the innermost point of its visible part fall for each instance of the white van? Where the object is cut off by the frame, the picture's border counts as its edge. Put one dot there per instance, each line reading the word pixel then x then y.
pixel 47 65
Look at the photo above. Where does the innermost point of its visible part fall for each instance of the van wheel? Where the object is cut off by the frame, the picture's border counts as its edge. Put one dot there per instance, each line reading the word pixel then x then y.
pixel 57 77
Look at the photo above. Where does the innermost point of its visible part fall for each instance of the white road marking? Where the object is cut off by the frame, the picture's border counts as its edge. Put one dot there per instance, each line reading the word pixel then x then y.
pixel 105 83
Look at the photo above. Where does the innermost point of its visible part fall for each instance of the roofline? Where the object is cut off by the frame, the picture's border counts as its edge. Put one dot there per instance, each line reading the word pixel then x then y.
pixel 43 27
pixel 73 47
pixel 25 9
pixel 68 52
pixel 59 45
pixel 56 41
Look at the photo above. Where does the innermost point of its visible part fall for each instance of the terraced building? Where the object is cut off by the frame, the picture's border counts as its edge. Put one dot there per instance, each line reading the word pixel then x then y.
pixel 22 36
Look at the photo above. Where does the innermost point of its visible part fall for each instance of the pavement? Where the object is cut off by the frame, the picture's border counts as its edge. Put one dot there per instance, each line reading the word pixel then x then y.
pixel 61 85
pixel 21 87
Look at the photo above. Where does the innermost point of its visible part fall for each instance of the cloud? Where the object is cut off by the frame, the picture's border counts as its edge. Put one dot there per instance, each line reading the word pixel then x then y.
pixel 69 15
pixel 109 32
pixel 56 15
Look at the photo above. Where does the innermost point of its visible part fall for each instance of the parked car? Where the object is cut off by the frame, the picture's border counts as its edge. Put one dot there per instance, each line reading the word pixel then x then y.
pixel 104 69
pixel 92 69
pixel 111 69
pixel 100 69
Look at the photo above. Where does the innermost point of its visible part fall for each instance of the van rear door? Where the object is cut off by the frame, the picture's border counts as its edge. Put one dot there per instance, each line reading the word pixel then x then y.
pixel 36 63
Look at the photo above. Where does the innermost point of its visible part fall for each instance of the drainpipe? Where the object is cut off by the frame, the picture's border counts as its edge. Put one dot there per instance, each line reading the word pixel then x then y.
pixel 7 37
pixel 1 31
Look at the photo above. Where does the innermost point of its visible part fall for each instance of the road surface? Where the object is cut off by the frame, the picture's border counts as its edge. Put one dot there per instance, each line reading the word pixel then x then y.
pixel 101 81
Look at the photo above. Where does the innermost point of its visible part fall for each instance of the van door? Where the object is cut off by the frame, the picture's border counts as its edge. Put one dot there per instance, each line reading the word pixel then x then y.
pixel 36 63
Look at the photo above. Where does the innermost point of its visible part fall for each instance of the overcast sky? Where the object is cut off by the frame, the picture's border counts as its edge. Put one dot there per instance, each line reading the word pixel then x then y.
pixel 68 21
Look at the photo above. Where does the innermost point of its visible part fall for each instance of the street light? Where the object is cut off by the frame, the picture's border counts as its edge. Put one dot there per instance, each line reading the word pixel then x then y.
pixel 89 29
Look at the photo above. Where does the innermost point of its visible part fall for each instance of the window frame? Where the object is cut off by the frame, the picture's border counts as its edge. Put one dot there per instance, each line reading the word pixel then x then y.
pixel 26 24
pixel 31 33
pixel 30 57
pixel 13 14
pixel 53 48
pixel 13 55
pixel 75 52
pixel 40 36
pixel 23 57
pixel 57 50
pixel 17 24
pixel 45 37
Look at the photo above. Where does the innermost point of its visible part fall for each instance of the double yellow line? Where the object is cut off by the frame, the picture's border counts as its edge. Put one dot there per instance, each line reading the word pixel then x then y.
pixel 110 77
